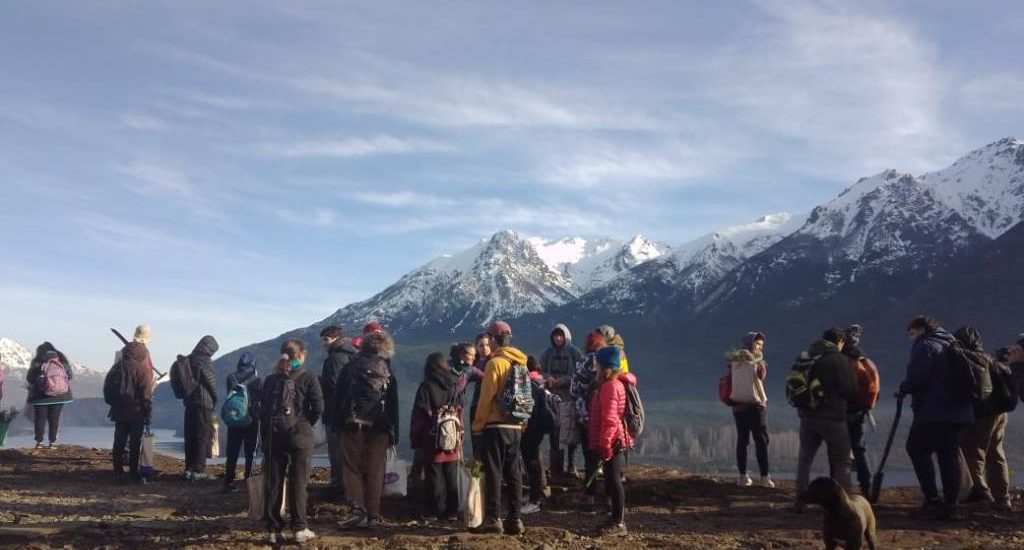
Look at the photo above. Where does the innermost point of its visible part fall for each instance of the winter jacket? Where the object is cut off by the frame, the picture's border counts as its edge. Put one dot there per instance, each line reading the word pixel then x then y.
pixel 201 362
pixel 607 431
pixel 929 382
pixel 384 420
pixel 137 385
pixel 559 362
pixel 35 372
pixel 339 355
pixel 970 342
pixel 309 401
pixel 748 375
pixel 440 389
pixel 495 376
pixel 839 384
pixel 245 374
pixel 544 416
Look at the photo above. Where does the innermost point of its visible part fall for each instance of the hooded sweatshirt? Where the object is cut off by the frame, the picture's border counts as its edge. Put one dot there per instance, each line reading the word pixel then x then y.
pixel 339 355
pixel 838 382
pixel 970 341
pixel 439 389
pixel 201 361
pixel 929 382
pixel 606 430
pixel 245 373
pixel 495 376
pixel 137 389
pixel 560 361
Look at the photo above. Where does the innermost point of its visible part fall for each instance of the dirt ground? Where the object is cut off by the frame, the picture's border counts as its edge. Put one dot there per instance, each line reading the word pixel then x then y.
pixel 67 498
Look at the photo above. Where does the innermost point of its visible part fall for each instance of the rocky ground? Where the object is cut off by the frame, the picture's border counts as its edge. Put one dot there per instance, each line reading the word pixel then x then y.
pixel 67 498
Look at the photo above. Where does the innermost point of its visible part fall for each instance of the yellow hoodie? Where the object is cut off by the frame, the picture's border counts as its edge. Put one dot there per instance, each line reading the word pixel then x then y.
pixel 492 386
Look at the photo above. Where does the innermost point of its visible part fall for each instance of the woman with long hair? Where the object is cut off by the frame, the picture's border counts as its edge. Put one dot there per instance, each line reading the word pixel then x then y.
pixel 608 437
pixel 49 389
pixel 437 395
pixel 292 402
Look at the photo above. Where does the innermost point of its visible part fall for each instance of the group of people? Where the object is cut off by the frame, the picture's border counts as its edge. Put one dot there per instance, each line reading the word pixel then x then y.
pixel 960 399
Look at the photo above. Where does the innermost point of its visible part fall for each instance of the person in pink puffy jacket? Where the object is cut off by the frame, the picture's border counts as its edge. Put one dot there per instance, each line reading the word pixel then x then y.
pixel 607 435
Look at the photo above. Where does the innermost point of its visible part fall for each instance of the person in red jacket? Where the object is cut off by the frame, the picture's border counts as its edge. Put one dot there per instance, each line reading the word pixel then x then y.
pixel 607 435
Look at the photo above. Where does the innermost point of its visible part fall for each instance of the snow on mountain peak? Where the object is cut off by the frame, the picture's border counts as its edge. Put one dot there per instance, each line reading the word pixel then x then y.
pixel 13 355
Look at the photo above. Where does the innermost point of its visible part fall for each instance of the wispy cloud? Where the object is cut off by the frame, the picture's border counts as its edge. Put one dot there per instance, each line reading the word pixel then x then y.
pixel 401 199
pixel 129 236
pixel 355 147
pixel 152 178
pixel 139 121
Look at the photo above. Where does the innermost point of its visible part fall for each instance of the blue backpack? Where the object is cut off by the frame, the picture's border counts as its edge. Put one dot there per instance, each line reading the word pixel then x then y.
pixel 235 411
pixel 516 401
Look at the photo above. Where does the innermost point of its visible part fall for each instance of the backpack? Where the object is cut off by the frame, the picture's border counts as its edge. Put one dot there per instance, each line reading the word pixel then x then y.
pixel 516 401
pixel 544 416
pixel 53 379
pixel 634 417
pixel 725 389
pixel 1004 389
pixel 235 410
pixel 969 373
pixel 868 385
pixel 803 387
pixel 447 429
pixel 183 380
pixel 368 386
pixel 284 410
pixel 116 388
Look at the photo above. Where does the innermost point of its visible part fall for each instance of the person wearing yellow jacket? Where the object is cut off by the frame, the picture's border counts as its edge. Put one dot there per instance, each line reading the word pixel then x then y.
pixel 501 438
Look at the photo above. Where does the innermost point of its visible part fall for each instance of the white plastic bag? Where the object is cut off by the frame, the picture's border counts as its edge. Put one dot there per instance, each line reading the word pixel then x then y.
pixel 214 449
pixel 396 475
pixel 474 503
pixel 146 453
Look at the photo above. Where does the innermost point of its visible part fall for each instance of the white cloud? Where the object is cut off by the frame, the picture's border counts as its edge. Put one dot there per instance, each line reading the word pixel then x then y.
pixel 400 199
pixel 355 147
pixel 128 236
pixel 156 178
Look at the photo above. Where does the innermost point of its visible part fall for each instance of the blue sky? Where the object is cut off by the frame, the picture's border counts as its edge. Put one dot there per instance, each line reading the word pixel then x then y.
pixel 243 168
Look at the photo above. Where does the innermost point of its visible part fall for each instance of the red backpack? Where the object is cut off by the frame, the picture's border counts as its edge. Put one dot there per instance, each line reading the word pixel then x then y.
pixel 868 384
pixel 725 388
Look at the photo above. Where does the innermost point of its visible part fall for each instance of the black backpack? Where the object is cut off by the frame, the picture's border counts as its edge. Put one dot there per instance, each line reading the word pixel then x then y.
pixel 545 416
pixel 969 373
pixel 114 384
pixel 284 405
pixel 368 386
pixel 1004 389
pixel 183 380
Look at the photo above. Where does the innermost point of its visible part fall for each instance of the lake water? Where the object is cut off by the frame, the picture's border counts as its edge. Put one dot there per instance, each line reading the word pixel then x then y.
pixel 103 438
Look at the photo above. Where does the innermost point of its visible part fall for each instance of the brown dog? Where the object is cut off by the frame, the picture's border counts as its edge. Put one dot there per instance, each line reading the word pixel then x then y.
pixel 847 518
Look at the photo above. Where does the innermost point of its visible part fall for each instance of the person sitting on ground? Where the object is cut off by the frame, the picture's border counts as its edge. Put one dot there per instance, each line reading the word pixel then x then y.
pixel 541 424
pixel 437 395
pixel 291 405
pixel 49 389
pixel 608 436
pixel 245 375
pixel 748 370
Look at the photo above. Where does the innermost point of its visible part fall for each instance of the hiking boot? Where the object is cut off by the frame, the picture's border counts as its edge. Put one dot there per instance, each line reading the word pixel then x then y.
pixel 612 529
pixel 355 520
pixel 490 526
pixel 977 496
pixel 304 536
pixel 529 508
pixel 744 481
pixel 766 481
pixel 514 527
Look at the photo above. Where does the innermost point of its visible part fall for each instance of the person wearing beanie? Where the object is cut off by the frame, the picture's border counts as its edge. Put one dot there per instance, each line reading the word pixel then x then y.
pixel 143 334
pixel 858 409
pixel 501 438
pixel 748 370
pixel 245 375
pixel 584 382
pixel 556 366
pixel 608 437
pixel 371 327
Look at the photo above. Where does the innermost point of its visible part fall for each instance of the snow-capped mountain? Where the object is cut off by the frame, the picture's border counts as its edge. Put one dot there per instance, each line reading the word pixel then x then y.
pixel 591 264
pixel 691 269
pixel 15 360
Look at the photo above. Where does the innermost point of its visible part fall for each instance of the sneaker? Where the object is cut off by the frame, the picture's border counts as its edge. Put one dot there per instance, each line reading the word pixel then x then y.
pixel 452 518
pixel 285 536
pixel 200 476
pixel 977 496
pixel 188 475
pixel 304 535
pixel 529 508
pixel 515 527
pixel 39 445
pixel 356 519
pixel 274 538
pixel 490 526
pixel 51 445
pixel 766 481
pixel 744 481
pixel 612 529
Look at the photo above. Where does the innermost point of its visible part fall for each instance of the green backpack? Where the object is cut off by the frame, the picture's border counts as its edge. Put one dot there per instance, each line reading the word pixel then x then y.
pixel 803 387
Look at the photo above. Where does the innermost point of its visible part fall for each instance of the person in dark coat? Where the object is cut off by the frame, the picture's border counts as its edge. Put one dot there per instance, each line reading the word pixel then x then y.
pixel 365 441
pixel 245 375
pixel 340 352
pixel 856 412
pixel 199 408
pixel 939 416
pixel 557 365
pixel 827 422
pixel 46 403
pixel 438 390
pixel 133 408
pixel 542 423
pixel 287 430
pixel 474 378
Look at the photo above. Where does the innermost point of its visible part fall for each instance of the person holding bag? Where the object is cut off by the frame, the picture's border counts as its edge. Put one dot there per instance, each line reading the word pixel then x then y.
pixel 292 403
pixel 748 370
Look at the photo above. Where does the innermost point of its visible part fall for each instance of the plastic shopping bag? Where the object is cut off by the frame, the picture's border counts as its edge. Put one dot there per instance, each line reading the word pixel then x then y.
pixel 256 490
pixel 146 453
pixel 396 475
pixel 214 449
pixel 474 503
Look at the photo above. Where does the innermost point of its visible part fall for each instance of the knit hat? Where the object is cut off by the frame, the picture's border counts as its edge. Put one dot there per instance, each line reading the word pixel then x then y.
pixel 143 333
pixel 609 357
pixel 246 360
pixel 499 328
pixel 608 331
pixel 372 326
